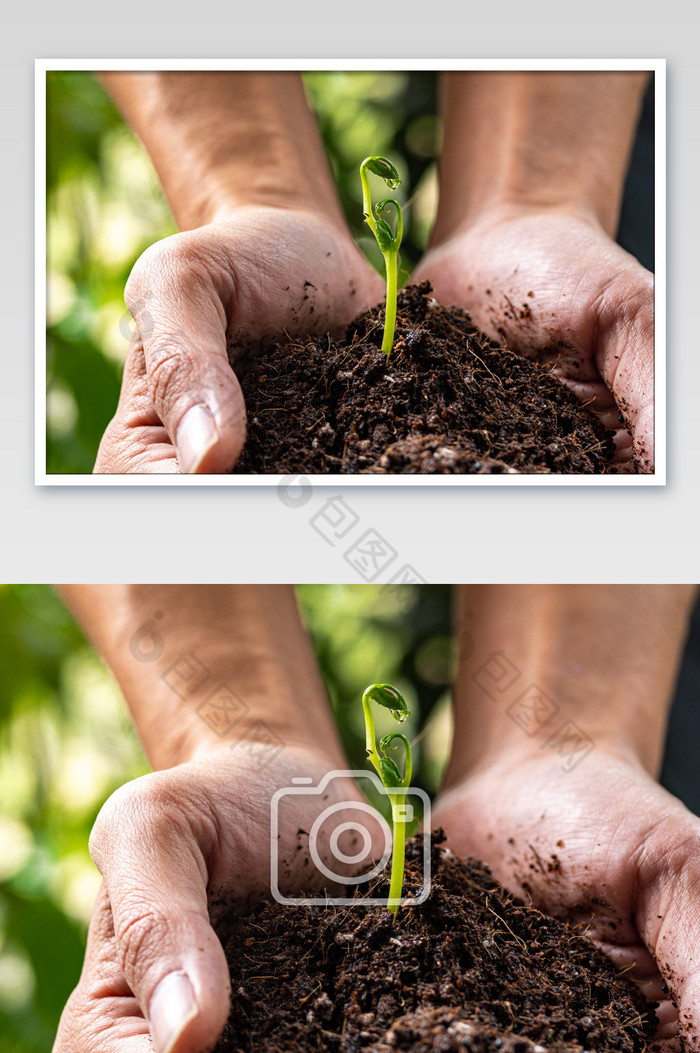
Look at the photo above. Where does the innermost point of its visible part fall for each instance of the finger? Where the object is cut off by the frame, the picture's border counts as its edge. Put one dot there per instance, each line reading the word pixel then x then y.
pixel 626 354
pixel 102 1015
pixel 147 845
pixel 176 295
pixel 135 441
pixel 669 912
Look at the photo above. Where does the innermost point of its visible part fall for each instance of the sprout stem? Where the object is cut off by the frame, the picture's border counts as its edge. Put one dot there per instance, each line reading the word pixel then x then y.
pixel 391 262
pixel 370 738
pixel 398 857
pixel 393 781
pixel 386 239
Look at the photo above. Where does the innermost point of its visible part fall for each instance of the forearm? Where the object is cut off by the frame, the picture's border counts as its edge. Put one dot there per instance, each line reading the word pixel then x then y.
pixel 187 656
pixel 536 140
pixel 223 140
pixel 603 656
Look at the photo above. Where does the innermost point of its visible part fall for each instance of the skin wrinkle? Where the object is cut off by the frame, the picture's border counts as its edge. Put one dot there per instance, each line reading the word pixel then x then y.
pixel 140 941
pixel 179 268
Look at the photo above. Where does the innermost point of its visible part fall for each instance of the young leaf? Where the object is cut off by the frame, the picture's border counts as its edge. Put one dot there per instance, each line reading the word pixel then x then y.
pixel 384 235
pixel 386 695
pixel 388 242
pixel 385 744
pixel 390 774
pixel 382 167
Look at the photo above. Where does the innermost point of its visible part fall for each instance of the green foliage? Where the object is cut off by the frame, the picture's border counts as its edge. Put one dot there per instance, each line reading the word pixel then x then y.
pixel 383 168
pixel 103 208
pixel 65 745
pixel 387 239
pixel 389 772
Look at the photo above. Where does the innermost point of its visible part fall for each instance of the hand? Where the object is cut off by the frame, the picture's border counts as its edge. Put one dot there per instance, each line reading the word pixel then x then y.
pixel 556 288
pixel 603 846
pixel 170 845
pixel 240 281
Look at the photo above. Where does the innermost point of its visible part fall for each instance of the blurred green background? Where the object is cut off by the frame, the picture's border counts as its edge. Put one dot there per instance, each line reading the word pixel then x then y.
pixel 105 206
pixel 66 742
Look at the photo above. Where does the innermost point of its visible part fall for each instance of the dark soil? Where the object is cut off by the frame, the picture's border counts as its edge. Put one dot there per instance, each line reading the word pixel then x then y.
pixel 471 970
pixel 446 401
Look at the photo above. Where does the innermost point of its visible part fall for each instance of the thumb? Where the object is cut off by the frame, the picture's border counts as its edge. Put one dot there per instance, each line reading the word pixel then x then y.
pixel 175 294
pixel 670 913
pixel 146 846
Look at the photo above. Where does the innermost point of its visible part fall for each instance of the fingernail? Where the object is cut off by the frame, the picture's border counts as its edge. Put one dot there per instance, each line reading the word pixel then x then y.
pixel 173 1005
pixel 196 435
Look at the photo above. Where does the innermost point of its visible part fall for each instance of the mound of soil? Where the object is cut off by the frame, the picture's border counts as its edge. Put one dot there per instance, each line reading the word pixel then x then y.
pixel 447 400
pixel 471 970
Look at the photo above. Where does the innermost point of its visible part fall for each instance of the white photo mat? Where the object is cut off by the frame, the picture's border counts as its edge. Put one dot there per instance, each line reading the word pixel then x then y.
pixel 658 478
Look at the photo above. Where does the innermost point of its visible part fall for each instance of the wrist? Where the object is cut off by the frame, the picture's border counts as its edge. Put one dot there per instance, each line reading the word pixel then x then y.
pixel 238 210
pixel 557 712
pixel 566 669
pixel 536 141
pixel 477 219
pixel 200 705
pixel 228 140
pixel 563 745
pixel 204 666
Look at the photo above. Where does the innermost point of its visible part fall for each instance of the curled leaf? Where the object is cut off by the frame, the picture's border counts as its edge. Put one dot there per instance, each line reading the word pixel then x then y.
pixel 382 167
pixel 386 740
pixel 386 695
pixel 388 240
pixel 385 744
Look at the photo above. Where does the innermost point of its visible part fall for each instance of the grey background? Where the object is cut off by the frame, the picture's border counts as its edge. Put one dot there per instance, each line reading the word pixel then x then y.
pixel 519 534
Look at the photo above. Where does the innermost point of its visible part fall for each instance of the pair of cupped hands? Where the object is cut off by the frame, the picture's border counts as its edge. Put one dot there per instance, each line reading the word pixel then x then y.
pixel 173 844
pixel 258 272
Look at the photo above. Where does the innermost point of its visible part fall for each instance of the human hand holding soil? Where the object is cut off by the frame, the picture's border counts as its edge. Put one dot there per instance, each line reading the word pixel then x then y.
pixel 599 841
pixel 604 846
pixel 263 247
pixel 198 829
pixel 169 846
pixel 531 180
pixel 227 285
pixel 557 288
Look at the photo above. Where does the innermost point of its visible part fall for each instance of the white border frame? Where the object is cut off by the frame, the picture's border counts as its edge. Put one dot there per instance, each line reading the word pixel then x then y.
pixel 42 66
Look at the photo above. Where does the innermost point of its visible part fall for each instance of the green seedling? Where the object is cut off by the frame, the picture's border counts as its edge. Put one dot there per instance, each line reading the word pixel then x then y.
pixel 389 772
pixel 388 242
